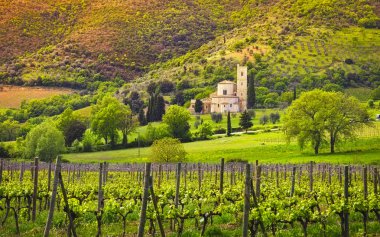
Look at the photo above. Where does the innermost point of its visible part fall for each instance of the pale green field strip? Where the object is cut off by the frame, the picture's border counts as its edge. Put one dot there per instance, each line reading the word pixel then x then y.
pixel 267 147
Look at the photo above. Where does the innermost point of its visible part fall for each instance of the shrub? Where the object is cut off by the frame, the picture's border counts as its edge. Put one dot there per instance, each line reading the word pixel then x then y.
pixel 214 231
pixel 166 86
pixel 220 130
pixel 77 146
pixel 264 119
pixel 251 113
pixel 372 22
pixel 274 117
pixel 155 133
pixel 204 131
pixel 375 95
pixel 216 117
pixel 237 160
pixel 167 150
pixel 197 123
pixel 3 152
pixel 371 104
pixel 44 141
pixel 89 140
pixel 349 61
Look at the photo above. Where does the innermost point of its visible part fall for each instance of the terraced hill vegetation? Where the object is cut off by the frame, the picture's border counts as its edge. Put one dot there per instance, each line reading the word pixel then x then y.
pixel 74 43
pixel 294 43
pixel 71 42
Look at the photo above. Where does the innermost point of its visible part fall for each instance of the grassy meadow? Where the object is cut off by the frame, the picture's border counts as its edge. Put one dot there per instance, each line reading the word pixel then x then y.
pixel 270 147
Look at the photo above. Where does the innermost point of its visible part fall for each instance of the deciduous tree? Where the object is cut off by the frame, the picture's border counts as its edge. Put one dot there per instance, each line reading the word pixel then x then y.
pixel 107 117
pixel 177 118
pixel 317 114
pixel 44 141
pixel 167 150
pixel 128 124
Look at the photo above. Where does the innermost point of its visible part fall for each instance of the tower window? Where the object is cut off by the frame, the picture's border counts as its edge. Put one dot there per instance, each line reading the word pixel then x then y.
pixel 242 83
pixel 230 105
pixel 224 106
pixel 242 73
pixel 218 105
pixel 224 92
pixel 241 94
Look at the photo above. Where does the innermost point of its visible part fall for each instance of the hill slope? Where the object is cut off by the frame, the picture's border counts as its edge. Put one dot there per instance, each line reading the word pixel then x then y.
pixel 74 42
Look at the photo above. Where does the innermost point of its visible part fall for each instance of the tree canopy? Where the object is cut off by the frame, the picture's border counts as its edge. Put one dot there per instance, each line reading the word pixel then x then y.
pixel 318 114
pixel 44 141
pixel 245 121
pixel 71 126
pixel 177 118
pixel 167 150
pixel 110 115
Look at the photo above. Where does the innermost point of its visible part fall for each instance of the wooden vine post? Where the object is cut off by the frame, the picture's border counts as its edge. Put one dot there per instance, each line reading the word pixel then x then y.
pixel 221 175
pixel 22 171
pixel 258 181
pixel 375 181
pixel 277 181
pixel 311 176
pixel 1 169
pixel 177 184
pixel 100 200
pixel 144 203
pixel 53 197
pixel 159 175
pixel 293 181
pixel 246 199
pixel 346 215
pixel 35 188
pixel 154 199
pixel 71 228
pixel 199 177
pixel 365 190
pixel 329 180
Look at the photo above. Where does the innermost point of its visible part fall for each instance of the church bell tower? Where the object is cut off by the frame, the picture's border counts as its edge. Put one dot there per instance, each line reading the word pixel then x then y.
pixel 242 86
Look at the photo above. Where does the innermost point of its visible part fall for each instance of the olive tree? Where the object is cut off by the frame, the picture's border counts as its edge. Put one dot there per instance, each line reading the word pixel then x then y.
pixel 346 115
pixel 317 114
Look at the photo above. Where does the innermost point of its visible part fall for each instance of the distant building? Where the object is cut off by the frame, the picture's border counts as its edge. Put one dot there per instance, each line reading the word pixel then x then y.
pixel 229 96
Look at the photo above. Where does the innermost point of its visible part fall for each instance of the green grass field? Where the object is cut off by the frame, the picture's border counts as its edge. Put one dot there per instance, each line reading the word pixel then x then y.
pixel 266 147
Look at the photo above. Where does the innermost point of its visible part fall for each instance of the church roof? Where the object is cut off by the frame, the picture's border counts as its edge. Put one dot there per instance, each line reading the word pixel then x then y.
pixel 226 82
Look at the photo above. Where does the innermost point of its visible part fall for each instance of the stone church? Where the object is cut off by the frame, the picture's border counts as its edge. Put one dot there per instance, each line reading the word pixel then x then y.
pixel 229 96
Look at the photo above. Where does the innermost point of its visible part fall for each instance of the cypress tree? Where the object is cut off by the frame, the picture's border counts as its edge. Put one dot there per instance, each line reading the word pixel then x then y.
pixel 251 100
pixel 156 107
pixel 159 107
pixel 149 113
pixel 198 106
pixel 245 121
pixel 142 118
pixel 294 93
pixel 229 128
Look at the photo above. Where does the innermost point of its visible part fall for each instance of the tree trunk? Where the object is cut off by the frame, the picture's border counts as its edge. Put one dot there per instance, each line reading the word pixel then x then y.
pixel 332 143
pixel 125 140
pixel 316 148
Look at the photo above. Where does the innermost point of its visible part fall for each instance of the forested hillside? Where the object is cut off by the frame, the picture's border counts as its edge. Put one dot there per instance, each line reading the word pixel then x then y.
pixel 73 43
